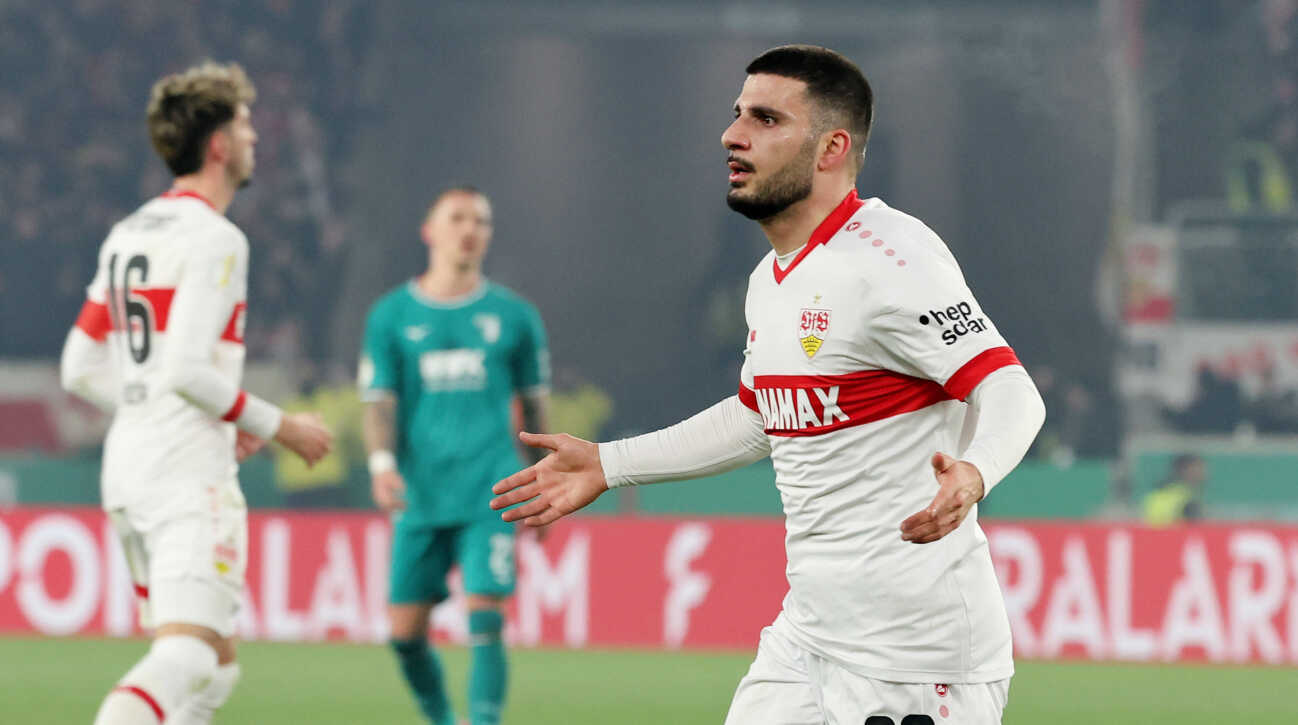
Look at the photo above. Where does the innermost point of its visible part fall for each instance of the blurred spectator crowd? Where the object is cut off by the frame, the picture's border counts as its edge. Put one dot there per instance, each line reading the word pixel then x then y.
pixel 77 157
pixel 1222 406
pixel 1263 163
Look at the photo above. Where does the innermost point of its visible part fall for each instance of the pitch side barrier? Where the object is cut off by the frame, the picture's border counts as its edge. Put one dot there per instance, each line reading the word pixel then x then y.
pixel 1207 593
pixel 1034 490
pixel 1246 482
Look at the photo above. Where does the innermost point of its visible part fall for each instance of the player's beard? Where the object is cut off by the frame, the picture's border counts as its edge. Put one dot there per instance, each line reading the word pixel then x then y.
pixel 788 186
pixel 241 176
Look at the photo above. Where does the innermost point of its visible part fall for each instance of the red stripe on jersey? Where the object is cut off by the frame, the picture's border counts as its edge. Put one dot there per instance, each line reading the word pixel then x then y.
pixel 804 405
pixel 159 298
pixel 178 193
pixel 234 328
pixel 94 321
pixel 148 700
pixel 748 397
pixel 236 410
pixel 828 228
pixel 983 364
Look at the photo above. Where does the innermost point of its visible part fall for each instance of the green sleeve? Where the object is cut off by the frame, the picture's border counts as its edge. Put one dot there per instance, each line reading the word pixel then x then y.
pixel 380 368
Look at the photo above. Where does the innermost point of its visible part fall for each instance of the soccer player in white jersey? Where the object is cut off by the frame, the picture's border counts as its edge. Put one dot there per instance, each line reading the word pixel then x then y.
pixel 159 343
pixel 889 405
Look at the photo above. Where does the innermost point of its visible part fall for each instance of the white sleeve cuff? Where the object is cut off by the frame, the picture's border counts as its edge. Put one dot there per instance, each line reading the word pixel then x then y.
pixel 722 438
pixel 377 395
pixel 254 415
pixel 1008 413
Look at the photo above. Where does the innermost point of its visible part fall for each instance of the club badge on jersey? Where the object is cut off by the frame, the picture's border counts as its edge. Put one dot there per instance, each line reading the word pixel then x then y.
pixel 813 328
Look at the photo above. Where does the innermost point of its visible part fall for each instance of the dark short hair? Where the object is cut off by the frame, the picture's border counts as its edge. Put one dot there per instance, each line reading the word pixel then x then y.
pixel 1182 462
pixel 453 189
pixel 833 82
pixel 185 108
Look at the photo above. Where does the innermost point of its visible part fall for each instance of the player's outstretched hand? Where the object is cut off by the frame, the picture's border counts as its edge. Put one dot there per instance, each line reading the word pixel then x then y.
pixel 960 486
pixel 562 482
pixel 306 435
pixel 389 490
pixel 246 445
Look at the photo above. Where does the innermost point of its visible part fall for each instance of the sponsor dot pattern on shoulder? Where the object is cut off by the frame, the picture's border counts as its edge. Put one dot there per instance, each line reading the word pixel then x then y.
pixel 866 234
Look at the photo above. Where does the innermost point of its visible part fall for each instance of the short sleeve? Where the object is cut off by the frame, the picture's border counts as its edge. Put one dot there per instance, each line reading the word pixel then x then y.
pixel 380 370
pixel 93 319
pixel 932 327
pixel 531 359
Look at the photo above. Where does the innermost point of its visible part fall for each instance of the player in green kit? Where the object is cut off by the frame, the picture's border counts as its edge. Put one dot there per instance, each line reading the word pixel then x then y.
pixel 444 357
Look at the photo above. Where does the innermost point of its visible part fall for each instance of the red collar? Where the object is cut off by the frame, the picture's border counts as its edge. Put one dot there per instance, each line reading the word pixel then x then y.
pixel 177 193
pixel 828 228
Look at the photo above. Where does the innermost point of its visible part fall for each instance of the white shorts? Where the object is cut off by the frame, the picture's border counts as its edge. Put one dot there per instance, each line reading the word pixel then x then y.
pixel 786 685
pixel 188 568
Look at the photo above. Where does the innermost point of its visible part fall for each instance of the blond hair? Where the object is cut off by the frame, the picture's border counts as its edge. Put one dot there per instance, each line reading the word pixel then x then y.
pixel 185 108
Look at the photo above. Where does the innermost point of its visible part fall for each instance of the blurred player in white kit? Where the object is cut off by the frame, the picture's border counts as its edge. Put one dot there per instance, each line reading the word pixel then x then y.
pixel 159 343
pixel 889 405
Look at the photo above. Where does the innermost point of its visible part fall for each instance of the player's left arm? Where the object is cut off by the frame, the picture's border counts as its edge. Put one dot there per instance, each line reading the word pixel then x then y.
pixel 85 368
pixel 930 326
pixel 1007 412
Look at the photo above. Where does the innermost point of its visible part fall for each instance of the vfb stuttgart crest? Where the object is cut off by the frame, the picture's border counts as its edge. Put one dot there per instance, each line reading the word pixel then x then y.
pixel 813 328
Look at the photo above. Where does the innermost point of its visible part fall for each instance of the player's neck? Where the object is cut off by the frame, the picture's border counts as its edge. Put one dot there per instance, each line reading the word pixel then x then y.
pixel 213 187
pixel 792 227
pixel 448 282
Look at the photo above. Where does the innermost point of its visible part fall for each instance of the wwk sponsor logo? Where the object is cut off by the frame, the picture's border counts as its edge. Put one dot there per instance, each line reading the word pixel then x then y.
pixel 463 369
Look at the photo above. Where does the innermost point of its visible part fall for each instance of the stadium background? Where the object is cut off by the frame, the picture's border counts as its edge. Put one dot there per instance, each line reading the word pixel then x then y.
pixel 1117 178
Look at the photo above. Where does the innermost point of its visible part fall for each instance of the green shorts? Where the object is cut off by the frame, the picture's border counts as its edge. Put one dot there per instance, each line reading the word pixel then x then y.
pixel 422 556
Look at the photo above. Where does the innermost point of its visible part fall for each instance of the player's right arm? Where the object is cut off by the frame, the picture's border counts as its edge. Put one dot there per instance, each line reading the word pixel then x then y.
pixel 729 435
pixel 204 299
pixel 576 472
pixel 378 380
pixel 85 369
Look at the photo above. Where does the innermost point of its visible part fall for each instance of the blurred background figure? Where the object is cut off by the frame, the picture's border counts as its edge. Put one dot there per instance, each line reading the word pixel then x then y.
pixel 1217 406
pixel 1179 498
pixel 451 366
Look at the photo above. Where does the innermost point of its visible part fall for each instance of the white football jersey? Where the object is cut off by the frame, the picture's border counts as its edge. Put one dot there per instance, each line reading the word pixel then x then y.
pixel 168 297
pixel 860 353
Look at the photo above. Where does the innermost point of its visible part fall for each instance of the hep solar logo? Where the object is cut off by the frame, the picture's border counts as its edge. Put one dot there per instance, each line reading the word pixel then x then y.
pixel 955 321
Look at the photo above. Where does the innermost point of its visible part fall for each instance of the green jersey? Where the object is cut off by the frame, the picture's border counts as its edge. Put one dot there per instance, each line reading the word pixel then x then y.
pixel 454 369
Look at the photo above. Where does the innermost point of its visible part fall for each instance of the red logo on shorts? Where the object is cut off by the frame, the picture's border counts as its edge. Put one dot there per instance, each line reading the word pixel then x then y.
pixel 941 690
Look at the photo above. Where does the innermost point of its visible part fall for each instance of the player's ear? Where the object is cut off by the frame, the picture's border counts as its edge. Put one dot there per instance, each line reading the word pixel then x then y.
pixel 218 146
pixel 426 231
pixel 835 150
